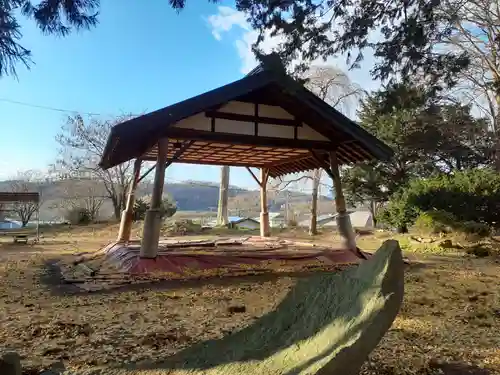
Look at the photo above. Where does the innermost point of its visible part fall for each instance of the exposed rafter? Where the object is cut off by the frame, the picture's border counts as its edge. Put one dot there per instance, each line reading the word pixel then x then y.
pixel 253 119
pixel 174 158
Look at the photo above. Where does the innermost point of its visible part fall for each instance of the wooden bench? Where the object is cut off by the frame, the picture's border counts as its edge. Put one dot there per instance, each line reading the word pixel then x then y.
pixel 20 234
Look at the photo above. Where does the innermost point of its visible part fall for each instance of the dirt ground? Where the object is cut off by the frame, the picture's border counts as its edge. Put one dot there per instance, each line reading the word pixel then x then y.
pixel 449 323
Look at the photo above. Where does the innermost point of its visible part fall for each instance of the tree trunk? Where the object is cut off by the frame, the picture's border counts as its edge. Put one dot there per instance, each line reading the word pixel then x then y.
pixel 222 217
pixel 123 199
pixel 116 207
pixel 313 225
pixel 373 212
pixel 497 127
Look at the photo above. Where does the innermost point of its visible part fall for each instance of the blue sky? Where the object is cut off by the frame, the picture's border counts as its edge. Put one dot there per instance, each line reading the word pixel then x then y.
pixel 139 58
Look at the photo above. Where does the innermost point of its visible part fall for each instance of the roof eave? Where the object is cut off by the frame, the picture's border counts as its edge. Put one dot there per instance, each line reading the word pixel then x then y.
pixel 162 118
pixel 378 148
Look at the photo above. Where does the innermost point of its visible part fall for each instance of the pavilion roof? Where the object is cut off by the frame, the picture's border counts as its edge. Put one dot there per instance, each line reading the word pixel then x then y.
pixel 137 138
pixel 19 197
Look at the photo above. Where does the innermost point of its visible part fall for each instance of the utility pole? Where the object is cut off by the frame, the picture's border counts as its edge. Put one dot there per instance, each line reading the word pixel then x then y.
pixel 287 207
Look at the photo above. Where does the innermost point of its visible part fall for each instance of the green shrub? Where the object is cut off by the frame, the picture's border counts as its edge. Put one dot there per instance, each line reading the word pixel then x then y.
pixel 181 227
pixel 141 205
pixel 457 201
pixel 397 214
pixel 471 195
pixel 140 208
pixel 434 222
pixel 78 216
pixel 473 228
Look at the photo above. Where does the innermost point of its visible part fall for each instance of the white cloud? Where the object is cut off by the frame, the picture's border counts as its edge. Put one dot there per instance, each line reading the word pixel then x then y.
pixel 225 20
pixel 230 20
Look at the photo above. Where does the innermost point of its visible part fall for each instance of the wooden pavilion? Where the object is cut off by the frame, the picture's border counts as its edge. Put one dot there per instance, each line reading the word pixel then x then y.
pixel 32 199
pixel 266 120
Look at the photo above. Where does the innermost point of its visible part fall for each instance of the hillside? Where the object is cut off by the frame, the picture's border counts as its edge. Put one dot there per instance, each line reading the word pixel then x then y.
pixel 248 202
pixel 190 196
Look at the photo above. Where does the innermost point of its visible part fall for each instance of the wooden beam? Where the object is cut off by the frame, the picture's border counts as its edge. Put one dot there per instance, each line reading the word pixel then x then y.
pixel 339 194
pixel 253 119
pixel 265 230
pixel 241 139
pixel 20 197
pixel 289 160
pixel 254 176
pixel 323 164
pixel 127 214
pixel 174 158
pixel 179 153
pixel 343 219
pixel 256 116
pixel 152 220
pixel 220 162
pixel 144 175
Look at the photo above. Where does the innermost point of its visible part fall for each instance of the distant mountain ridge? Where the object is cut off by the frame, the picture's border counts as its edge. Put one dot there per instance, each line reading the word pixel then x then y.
pixel 189 196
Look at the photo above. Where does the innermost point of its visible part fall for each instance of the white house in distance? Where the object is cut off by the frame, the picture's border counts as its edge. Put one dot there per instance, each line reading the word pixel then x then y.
pixel 238 222
pixel 359 219
pixel 10 224
pixel 276 220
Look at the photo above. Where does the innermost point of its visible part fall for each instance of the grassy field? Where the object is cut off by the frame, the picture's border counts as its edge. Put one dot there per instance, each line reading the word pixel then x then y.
pixel 449 323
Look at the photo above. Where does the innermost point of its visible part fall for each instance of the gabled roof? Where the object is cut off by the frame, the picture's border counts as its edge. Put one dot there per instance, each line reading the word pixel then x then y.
pixel 19 196
pixel 233 220
pixel 243 219
pixel 132 138
pixel 272 216
pixel 135 137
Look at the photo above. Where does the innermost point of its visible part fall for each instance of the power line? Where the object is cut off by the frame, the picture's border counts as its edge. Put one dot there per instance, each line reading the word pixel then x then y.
pixel 47 107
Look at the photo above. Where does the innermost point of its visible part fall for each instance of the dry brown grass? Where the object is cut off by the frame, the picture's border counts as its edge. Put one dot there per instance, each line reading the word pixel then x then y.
pixel 451 312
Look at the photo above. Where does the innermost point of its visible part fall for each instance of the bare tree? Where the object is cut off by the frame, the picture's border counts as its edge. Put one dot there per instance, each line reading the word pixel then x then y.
pixel 313 224
pixel 85 193
pixel 222 216
pixel 81 146
pixel 476 32
pixel 25 182
pixel 3 208
pixel 333 86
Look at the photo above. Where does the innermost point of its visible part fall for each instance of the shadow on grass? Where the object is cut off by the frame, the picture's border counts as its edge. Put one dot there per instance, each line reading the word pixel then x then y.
pixel 20 249
pixel 54 281
pixel 339 316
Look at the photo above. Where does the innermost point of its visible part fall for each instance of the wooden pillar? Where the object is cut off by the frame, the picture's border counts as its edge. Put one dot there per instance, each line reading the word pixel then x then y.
pixel 222 216
pixel 127 214
pixel 343 220
pixel 152 220
pixel 265 230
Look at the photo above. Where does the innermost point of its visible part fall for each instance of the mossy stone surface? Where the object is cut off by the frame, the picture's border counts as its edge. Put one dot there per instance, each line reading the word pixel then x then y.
pixel 327 324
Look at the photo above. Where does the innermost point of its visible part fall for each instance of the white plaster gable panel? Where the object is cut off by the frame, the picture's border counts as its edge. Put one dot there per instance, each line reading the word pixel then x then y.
pixel 241 108
pixel 196 122
pixel 201 122
pixel 274 111
pixel 276 131
pixel 234 127
pixel 305 132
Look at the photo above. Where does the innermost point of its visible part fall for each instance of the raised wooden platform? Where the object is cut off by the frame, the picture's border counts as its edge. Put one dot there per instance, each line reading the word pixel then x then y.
pixel 118 263
pixel 176 256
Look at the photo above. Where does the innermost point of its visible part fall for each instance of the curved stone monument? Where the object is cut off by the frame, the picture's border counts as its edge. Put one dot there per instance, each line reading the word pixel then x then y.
pixel 327 324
